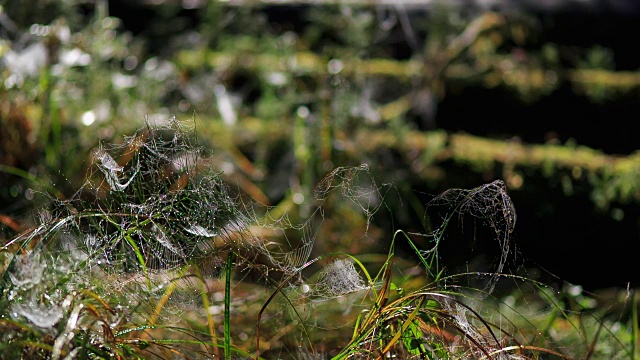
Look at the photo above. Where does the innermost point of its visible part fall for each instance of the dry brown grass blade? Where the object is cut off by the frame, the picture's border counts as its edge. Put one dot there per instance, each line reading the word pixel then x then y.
pixel 437 331
pixel 133 148
pixel 528 347
pixel 249 187
pixel 205 303
pixel 106 329
pixel 99 299
pixel 241 160
pixel 159 306
pixel 8 221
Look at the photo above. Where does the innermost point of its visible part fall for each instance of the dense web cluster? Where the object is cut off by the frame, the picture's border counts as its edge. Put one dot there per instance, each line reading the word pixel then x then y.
pixel 159 198
pixel 151 202
pixel 339 278
pixel 151 211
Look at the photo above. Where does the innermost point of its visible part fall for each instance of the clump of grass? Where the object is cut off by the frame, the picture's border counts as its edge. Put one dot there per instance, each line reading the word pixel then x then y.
pixel 134 263
pixel 441 318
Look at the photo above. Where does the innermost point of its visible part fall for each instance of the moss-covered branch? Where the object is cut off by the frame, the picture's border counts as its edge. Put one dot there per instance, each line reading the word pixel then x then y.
pixel 525 80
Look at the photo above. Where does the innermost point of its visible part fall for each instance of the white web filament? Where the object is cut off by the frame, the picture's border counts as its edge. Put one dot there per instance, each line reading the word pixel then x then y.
pixel 112 170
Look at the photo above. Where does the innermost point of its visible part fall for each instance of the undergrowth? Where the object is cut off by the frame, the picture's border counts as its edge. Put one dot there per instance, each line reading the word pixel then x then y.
pixel 156 257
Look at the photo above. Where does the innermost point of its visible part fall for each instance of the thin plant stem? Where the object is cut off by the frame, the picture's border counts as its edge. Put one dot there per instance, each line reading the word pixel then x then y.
pixel 227 307
pixel 634 329
pixel 205 303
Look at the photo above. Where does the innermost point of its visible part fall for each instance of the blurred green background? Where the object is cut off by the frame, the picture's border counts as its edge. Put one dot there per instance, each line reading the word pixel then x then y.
pixel 431 95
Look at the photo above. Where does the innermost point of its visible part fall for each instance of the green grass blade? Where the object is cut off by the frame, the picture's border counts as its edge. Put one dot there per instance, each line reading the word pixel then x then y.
pixel 634 328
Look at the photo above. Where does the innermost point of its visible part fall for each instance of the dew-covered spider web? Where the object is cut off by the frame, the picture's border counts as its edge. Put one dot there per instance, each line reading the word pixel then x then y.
pixel 145 242
pixel 161 195
pixel 149 230
pixel 488 204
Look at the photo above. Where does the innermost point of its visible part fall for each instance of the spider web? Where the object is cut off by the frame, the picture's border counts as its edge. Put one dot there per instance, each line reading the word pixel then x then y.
pixel 489 203
pixel 159 196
